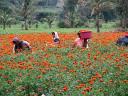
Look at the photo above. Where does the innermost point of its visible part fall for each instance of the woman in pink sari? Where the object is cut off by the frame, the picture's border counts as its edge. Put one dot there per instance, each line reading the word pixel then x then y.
pixel 79 42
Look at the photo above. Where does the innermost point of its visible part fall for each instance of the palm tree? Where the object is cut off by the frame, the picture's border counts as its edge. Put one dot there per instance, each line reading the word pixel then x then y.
pixel 70 11
pixel 97 8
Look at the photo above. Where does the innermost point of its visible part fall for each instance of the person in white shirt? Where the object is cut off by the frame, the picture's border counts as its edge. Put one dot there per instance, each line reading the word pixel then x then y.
pixel 56 37
pixel 20 45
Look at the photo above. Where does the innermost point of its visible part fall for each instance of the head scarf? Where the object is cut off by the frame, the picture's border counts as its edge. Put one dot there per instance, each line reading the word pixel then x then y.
pixel 16 39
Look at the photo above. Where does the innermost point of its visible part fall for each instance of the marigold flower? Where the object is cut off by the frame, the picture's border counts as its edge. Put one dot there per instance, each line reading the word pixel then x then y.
pixel 65 88
pixel 1 67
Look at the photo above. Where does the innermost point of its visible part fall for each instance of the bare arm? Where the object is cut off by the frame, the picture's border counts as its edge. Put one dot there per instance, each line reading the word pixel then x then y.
pixel 87 44
pixel 74 45
pixel 27 44
pixel 13 49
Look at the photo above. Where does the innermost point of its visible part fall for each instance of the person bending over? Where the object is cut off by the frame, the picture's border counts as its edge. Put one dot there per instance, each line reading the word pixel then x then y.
pixel 79 42
pixel 21 46
pixel 123 41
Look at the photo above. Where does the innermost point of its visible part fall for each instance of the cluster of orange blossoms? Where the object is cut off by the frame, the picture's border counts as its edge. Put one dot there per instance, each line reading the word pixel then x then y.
pixel 39 40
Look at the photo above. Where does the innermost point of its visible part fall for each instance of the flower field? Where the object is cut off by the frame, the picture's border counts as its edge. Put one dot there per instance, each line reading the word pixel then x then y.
pixel 101 70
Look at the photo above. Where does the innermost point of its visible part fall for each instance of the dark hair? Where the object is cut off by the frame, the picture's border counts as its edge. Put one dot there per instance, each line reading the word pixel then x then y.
pixel 79 34
pixel 53 33
pixel 14 42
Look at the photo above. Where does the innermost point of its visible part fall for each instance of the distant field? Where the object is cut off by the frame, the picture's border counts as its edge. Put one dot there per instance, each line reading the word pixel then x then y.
pixel 16 29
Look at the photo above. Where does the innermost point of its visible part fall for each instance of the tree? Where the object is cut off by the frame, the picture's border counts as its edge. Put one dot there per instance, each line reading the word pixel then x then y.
pixel 5 10
pixel 70 11
pixel 5 18
pixel 4 4
pixel 122 9
pixel 49 19
pixel 47 2
pixel 98 7
pixel 25 9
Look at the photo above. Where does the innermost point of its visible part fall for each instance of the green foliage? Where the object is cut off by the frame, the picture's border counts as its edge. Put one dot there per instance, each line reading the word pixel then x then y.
pixel 61 24
pixel 76 13
pixel 21 81
pixel 25 10
pixel 5 18
pixel 16 29
pixel 122 6
pixel 70 12
pixel 49 19
pixel 98 7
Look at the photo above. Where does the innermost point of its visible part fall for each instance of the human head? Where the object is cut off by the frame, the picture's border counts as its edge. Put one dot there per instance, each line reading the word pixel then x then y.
pixel 53 33
pixel 16 40
pixel 79 34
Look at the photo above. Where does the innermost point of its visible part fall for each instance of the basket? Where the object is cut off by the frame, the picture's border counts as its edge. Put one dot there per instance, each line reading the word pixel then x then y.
pixel 85 34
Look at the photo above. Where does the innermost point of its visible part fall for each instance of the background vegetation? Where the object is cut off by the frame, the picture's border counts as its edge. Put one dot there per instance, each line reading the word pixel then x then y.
pixel 47 15
pixel 100 70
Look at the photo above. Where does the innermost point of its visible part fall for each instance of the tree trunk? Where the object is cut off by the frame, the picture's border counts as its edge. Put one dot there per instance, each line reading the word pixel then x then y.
pixel 26 24
pixel 72 24
pixel 10 26
pixel 124 24
pixel 106 21
pixel 72 19
pixel 4 25
pixel 47 1
pixel 50 25
pixel 37 25
pixel 97 23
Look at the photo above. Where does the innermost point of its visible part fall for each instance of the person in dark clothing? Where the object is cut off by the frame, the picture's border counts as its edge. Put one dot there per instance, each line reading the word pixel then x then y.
pixel 20 45
pixel 122 41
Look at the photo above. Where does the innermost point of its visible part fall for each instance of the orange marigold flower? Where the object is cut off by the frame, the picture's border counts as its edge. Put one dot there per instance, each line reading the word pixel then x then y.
pixel 1 67
pixel 83 92
pixel 9 81
pixel 65 88
pixel 95 57
pixel 98 75
pixel 101 80
pixel 91 82
pixel 38 77
pixel 87 89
